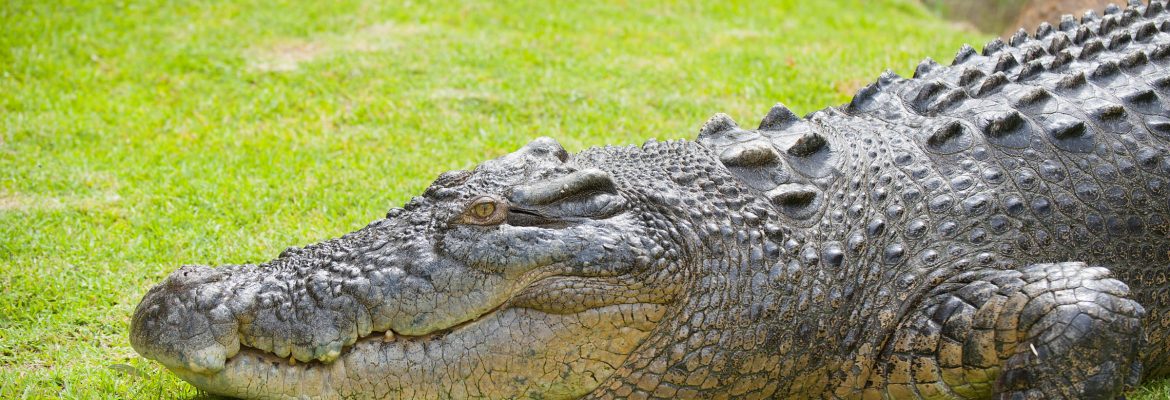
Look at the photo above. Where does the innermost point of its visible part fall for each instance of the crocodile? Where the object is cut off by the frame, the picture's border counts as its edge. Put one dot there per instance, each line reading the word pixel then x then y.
pixel 999 227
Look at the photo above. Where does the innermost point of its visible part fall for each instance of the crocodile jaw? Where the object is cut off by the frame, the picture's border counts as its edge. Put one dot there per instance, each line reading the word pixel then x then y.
pixel 510 353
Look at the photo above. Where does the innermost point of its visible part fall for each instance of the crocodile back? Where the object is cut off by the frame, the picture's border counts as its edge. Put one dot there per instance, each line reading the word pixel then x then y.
pixel 1043 148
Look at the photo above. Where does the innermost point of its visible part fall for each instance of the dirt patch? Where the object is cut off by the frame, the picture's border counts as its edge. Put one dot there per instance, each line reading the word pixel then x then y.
pixel 1037 11
pixel 22 202
pixel 19 202
pixel 1005 17
pixel 456 94
pixel 288 54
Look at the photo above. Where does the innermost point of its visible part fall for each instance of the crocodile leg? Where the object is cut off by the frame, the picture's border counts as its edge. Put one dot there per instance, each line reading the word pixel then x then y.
pixel 1062 330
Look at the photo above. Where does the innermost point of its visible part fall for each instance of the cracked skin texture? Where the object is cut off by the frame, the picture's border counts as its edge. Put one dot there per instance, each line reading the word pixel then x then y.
pixel 996 228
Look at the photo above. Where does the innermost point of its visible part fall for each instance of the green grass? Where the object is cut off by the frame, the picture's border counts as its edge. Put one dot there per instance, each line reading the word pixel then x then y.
pixel 137 137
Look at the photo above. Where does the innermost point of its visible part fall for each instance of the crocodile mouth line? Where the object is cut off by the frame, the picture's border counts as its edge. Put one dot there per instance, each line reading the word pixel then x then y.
pixel 389 337
pixel 385 338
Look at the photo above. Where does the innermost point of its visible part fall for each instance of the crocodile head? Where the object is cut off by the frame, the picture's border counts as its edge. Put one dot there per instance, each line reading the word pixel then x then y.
pixel 534 275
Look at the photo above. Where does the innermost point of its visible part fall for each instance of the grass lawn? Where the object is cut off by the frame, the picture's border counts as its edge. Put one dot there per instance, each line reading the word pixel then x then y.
pixel 135 137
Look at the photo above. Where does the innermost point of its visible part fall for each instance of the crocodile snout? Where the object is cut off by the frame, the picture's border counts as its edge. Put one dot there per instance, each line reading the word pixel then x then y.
pixel 184 321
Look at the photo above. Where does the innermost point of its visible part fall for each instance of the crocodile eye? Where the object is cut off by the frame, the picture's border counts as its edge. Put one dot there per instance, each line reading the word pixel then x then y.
pixel 485 210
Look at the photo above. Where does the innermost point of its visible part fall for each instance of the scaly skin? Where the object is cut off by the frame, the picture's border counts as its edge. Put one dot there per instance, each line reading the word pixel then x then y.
pixel 996 228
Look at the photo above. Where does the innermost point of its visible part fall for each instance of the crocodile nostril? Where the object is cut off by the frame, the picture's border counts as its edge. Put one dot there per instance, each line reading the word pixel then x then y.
pixel 188 275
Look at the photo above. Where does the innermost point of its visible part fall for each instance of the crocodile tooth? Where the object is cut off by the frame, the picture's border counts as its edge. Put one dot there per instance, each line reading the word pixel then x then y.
pixel 717 125
pixel 779 117
pixel 329 353
pixel 329 356
pixel 389 337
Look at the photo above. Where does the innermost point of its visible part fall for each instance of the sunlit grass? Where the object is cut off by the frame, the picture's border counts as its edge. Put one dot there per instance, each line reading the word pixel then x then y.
pixel 139 136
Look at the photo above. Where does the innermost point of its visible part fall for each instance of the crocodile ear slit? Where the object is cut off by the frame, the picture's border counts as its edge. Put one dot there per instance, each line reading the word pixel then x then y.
pixel 559 188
